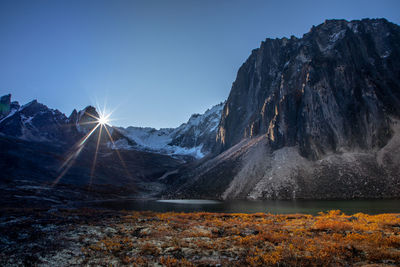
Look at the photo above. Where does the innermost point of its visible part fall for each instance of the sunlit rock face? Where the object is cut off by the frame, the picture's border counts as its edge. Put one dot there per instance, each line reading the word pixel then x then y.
pixel 85 119
pixel 333 88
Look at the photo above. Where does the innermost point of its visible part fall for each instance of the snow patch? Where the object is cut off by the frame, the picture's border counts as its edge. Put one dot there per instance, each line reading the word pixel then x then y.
pixel 336 36
pixel 12 112
pixel 168 140
pixel 386 54
pixel 120 144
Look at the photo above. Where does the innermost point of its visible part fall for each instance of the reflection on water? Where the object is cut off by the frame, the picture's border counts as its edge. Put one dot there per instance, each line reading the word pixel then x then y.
pixel 245 206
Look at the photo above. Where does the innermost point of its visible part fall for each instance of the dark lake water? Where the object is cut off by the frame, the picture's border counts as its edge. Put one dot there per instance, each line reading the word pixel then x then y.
pixel 245 206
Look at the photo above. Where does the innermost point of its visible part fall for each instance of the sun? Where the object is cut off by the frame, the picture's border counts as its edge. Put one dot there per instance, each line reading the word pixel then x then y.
pixel 103 120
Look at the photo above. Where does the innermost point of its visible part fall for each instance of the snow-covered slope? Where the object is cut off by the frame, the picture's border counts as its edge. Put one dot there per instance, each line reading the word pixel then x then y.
pixel 195 137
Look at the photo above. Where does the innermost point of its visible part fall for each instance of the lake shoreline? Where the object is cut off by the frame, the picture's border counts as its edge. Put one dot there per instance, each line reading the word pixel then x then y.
pixel 313 207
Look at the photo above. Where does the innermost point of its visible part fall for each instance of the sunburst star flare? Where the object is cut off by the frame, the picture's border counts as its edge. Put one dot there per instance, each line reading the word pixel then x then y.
pixel 101 121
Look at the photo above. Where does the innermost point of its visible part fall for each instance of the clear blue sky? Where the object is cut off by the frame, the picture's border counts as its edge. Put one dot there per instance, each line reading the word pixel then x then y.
pixel 157 61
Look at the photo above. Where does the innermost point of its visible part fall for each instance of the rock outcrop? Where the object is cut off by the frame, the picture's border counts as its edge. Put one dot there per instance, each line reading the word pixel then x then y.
pixel 313 117
pixel 33 122
pixel 333 88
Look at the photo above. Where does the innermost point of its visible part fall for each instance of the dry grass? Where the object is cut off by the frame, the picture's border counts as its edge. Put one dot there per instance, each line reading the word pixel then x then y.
pixel 200 239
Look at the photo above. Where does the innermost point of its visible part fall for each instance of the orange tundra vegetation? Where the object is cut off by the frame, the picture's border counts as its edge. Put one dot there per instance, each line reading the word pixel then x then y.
pixel 209 239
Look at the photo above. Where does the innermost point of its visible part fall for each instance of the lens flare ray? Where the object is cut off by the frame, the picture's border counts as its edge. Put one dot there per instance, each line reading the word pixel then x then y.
pixel 95 157
pixel 88 135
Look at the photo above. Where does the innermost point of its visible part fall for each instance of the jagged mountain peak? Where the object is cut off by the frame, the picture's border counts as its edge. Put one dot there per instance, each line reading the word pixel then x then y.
pixel 333 25
pixel 32 102
pixel 88 113
pixel 33 121
pixel 90 109
pixel 73 116
pixel 288 88
pixel 86 118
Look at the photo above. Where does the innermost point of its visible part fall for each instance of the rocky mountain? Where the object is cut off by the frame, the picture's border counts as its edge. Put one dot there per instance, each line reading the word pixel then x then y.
pixel 310 117
pixel 32 121
pixel 41 145
pixel 194 138
pixel 36 122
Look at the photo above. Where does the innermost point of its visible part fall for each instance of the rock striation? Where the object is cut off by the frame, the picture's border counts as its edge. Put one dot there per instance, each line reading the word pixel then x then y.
pixel 333 88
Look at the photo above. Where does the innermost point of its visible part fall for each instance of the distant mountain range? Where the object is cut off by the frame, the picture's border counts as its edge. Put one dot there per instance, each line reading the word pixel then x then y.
pixel 195 138
pixel 312 117
pixel 36 122
pixel 39 143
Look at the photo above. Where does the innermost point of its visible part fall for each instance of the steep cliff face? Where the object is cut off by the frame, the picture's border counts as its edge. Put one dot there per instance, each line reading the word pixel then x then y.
pixel 331 89
pixel 315 118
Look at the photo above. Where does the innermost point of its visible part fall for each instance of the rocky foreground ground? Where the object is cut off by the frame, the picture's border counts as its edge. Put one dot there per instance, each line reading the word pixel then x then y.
pixel 66 237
